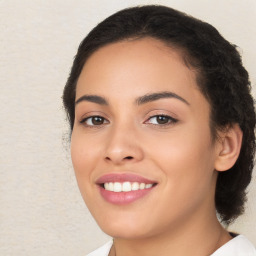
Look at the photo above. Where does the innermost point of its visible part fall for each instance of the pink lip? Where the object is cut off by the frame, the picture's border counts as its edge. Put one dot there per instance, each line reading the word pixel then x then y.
pixel 121 198
pixel 115 177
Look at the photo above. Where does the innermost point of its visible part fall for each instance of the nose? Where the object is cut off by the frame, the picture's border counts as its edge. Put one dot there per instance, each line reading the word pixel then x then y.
pixel 123 146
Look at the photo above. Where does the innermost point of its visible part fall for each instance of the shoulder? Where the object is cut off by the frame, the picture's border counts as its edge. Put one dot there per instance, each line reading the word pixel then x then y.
pixel 102 251
pixel 238 246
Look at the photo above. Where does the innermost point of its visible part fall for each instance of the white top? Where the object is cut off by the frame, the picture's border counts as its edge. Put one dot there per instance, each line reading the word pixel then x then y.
pixel 238 246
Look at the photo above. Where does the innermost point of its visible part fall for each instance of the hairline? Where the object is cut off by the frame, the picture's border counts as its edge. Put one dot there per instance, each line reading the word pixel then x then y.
pixel 185 57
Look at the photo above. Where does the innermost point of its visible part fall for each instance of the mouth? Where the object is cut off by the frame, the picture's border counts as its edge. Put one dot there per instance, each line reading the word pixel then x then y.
pixel 124 188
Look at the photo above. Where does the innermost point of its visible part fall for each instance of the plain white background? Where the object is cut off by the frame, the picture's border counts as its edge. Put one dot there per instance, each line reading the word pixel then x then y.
pixel 41 210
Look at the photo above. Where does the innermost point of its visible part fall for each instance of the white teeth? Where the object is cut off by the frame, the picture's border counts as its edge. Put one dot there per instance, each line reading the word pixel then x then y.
pixel 148 185
pixel 111 186
pixel 142 185
pixel 125 186
pixel 117 187
pixel 106 186
pixel 135 186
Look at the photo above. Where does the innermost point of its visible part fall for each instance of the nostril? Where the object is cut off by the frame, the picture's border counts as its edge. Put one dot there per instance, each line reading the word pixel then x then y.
pixel 118 159
pixel 128 157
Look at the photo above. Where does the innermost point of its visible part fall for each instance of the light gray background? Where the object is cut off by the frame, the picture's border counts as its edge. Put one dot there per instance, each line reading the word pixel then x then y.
pixel 41 210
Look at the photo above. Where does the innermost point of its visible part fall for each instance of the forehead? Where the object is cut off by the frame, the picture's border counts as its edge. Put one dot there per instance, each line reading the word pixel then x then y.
pixel 136 67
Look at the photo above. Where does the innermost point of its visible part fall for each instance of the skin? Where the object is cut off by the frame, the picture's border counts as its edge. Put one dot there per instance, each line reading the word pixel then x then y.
pixel 178 215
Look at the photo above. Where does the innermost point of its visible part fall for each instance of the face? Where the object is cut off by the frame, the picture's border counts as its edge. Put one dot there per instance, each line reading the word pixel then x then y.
pixel 141 145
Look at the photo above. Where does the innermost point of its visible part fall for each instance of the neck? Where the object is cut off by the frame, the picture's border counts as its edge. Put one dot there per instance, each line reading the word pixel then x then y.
pixel 195 237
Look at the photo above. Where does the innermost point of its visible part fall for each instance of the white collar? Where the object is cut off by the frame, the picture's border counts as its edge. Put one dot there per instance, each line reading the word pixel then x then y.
pixel 238 246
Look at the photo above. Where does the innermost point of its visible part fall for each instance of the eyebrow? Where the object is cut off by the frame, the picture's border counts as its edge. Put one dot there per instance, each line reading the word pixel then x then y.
pixel 93 98
pixel 159 95
pixel 139 101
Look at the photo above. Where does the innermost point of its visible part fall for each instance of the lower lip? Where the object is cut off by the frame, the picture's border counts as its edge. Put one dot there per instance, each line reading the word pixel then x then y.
pixel 124 197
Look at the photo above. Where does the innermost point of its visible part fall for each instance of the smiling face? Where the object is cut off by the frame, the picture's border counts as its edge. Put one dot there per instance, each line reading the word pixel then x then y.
pixel 141 119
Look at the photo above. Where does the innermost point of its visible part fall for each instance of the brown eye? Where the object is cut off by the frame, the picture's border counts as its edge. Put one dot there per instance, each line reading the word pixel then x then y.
pixel 161 120
pixel 94 121
pixel 97 120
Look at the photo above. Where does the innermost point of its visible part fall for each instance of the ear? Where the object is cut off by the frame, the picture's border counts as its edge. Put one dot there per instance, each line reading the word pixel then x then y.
pixel 228 147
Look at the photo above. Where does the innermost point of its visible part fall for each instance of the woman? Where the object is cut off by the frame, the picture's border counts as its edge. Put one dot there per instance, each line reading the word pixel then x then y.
pixel 162 134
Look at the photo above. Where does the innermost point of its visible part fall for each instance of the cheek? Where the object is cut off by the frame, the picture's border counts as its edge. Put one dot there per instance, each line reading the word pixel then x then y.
pixel 83 158
pixel 186 159
pixel 187 165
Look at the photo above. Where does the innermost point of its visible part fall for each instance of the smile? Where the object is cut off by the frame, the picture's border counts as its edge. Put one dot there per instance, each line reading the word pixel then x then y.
pixel 124 188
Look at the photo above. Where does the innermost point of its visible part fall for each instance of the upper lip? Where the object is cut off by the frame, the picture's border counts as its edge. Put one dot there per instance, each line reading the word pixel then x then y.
pixel 117 177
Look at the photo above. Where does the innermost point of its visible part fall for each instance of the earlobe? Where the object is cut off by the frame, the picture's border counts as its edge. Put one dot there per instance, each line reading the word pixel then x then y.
pixel 228 148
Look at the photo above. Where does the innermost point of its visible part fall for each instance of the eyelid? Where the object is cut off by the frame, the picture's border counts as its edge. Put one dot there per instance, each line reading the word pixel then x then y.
pixel 156 113
pixel 171 118
pixel 86 118
pixel 88 114
pixel 92 114
pixel 161 112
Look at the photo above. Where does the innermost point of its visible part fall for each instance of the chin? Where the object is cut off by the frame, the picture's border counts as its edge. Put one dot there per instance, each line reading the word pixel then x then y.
pixel 126 232
pixel 125 229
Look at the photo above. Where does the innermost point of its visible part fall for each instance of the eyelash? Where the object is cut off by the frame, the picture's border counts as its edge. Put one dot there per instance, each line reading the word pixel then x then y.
pixel 170 121
pixel 84 120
